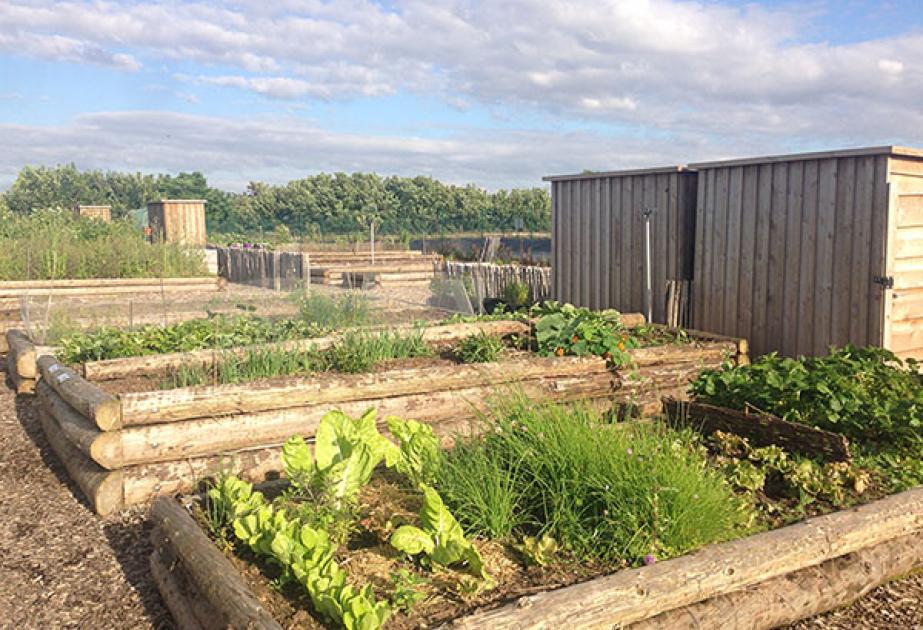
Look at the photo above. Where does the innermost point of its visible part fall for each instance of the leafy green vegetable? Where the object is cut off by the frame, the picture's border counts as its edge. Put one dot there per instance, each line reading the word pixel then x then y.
pixel 441 537
pixel 420 455
pixel 540 551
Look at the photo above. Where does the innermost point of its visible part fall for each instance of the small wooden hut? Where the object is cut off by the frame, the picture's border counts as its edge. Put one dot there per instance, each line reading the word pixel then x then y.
pixel 178 221
pixel 102 213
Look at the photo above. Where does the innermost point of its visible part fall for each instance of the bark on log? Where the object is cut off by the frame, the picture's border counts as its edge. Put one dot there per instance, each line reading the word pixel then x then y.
pixel 208 570
pixel 144 482
pixel 80 431
pixel 20 385
pixel 208 436
pixel 160 363
pixel 23 351
pixel 703 350
pixel 804 593
pixel 761 429
pixel 199 402
pixel 176 595
pixel 102 488
pixel 87 399
pixel 633 595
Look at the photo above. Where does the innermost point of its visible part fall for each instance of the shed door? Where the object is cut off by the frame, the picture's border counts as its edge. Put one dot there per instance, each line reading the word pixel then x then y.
pixel 904 302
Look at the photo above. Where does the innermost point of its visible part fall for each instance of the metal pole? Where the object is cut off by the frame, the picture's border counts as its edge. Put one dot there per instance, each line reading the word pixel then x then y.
pixel 648 289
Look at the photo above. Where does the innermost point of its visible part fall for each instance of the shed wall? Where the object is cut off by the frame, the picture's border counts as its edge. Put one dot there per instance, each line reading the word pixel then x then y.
pixel 178 221
pixel 786 252
pixel 904 308
pixel 598 238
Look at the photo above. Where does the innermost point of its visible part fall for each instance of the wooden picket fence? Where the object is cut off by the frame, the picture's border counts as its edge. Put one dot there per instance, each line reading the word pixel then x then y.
pixel 489 279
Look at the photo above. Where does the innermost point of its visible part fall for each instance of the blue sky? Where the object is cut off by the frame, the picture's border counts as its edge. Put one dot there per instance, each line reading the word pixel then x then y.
pixel 494 93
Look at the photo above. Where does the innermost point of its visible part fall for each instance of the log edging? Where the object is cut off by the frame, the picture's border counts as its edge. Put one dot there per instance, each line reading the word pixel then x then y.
pixel 735 584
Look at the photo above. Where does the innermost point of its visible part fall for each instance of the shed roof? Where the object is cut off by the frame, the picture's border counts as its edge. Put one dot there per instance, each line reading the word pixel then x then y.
pixel 597 174
pixel 816 155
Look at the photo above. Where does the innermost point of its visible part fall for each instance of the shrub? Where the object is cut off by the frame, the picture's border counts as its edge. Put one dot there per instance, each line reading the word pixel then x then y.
pixel 565 329
pixel 612 492
pixel 867 394
pixel 516 295
pixel 52 244
pixel 479 348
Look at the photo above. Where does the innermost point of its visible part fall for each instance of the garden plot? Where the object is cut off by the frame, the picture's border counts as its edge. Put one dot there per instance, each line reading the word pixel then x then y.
pixel 549 515
pixel 174 421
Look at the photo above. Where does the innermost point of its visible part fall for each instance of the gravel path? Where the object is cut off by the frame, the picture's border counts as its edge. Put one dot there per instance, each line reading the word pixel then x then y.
pixel 61 566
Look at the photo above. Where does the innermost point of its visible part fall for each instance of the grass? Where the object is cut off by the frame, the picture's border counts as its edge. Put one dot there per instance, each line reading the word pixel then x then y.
pixel 353 353
pixel 349 309
pixel 52 244
pixel 611 492
pixel 480 348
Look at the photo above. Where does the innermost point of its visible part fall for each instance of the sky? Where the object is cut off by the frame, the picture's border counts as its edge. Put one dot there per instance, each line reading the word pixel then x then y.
pixel 496 93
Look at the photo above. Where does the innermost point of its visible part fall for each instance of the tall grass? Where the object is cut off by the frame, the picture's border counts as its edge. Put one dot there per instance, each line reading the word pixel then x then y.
pixel 348 309
pixel 354 353
pixel 53 244
pixel 611 492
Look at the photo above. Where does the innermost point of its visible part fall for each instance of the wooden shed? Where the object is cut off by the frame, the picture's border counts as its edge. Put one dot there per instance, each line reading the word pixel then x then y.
pixel 800 252
pixel 597 250
pixel 103 213
pixel 178 221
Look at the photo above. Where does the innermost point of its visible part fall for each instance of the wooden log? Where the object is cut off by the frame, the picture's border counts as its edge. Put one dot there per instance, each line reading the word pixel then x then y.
pixel 706 352
pixel 23 351
pixel 80 431
pixel 212 575
pixel 761 429
pixel 197 402
pixel 87 399
pixel 20 385
pixel 811 591
pixel 102 488
pixel 179 599
pixel 26 285
pixel 209 436
pixel 160 363
pixel 633 595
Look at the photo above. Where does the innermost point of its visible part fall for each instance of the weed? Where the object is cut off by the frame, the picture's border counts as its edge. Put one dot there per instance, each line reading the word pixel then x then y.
pixel 407 589
pixel 479 348
pixel 349 309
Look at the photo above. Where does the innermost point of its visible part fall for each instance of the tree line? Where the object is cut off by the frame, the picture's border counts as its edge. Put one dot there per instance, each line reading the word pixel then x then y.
pixel 317 205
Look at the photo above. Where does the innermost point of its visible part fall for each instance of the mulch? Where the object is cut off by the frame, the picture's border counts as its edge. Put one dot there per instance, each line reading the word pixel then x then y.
pixel 61 566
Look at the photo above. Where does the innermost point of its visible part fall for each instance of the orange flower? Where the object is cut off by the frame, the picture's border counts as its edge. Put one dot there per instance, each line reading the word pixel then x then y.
pixel 607 355
pixel 622 345
pixel 559 352
pixel 573 339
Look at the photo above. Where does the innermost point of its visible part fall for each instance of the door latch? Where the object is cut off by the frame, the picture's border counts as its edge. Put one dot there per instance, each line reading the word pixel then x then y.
pixel 887 282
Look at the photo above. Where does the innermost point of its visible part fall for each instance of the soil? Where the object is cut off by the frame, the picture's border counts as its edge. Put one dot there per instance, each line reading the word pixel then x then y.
pixel 385 504
pixel 64 567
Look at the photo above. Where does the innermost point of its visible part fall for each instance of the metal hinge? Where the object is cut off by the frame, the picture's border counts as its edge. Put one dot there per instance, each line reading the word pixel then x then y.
pixel 887 282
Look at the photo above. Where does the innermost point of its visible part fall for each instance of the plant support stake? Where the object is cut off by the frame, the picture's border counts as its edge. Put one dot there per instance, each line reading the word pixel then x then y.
pixel 648 290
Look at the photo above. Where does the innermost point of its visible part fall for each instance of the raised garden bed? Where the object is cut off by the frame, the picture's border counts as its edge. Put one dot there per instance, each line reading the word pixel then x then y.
pixel 124 444
pixel 224 559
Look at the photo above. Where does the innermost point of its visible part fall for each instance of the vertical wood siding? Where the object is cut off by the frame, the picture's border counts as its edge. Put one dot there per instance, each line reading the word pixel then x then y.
pixel 904 311
pixel 178 221
pixel 598 238
pixel 786 251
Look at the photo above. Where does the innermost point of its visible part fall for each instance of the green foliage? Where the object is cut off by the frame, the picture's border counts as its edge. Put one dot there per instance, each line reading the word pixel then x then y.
pixel 564 329
pixel 612 492
pixel 441 537
pixel 52 244
pixel 516 295
pixel 337 203
pixel 407 593
pixel 354 353
pixel 479 348
pixel 420 455
pixel 218 331
pixel 772 470
pixel 538 551
pixel 867 394
pixel 334 313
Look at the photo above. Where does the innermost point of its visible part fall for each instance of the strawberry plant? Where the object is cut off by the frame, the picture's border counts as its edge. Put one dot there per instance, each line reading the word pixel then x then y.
pixel 867 394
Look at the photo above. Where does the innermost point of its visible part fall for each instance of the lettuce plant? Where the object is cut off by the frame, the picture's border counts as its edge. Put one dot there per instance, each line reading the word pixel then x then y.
pixel 420 455
pixel 441 537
